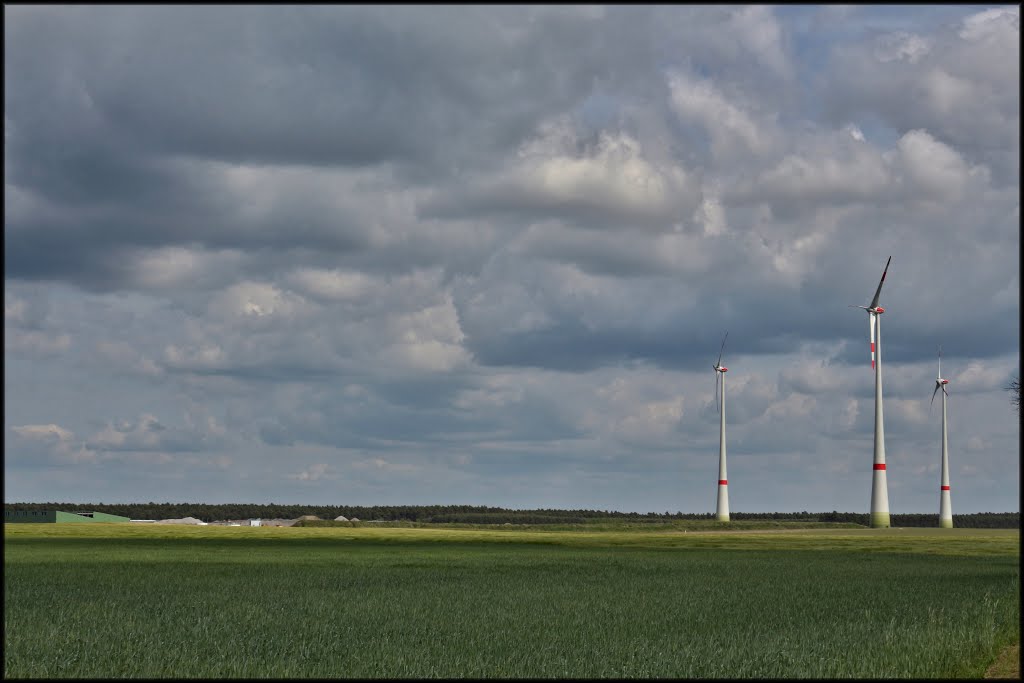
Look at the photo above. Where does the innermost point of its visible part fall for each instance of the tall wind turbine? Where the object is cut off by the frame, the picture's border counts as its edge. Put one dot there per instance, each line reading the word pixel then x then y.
pixel 945 507
pixel 879 490
pixel 722 514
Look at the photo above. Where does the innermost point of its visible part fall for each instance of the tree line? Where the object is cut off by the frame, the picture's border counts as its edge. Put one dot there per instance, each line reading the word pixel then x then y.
pixel 478 514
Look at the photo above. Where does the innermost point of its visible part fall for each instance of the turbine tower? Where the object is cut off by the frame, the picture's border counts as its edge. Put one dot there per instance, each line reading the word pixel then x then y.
pixel 879 490
pixel 722 514
pixel 945 506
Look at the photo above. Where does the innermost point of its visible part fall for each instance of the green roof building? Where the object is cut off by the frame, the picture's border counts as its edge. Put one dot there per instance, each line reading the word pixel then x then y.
pixel 57 516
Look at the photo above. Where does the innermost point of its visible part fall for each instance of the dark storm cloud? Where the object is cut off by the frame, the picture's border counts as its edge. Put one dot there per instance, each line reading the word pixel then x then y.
pixel 339 85
pixel 113 103
pixel 416 413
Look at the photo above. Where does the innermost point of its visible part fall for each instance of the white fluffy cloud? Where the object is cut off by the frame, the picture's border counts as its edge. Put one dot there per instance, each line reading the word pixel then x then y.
pixel 961 84
pixel 735 131
pixel 607 182
pixel 48 445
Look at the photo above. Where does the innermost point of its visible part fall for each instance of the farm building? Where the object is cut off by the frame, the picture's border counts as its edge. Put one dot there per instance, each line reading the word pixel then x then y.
pixel 57 516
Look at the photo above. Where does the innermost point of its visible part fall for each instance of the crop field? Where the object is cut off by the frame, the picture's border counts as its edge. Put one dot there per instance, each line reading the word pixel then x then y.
pixel 113 600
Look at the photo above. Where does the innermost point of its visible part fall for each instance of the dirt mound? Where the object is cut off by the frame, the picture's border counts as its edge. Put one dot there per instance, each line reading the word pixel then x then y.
pixel 183 520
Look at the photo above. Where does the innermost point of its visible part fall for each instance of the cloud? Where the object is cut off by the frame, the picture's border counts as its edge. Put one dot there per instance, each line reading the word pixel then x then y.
pixel 960 84
pixel 145 440
pixel 734 132
pixel 901 46
pixel 148 434
pixel 991 25
pixel 48 445
pixel 759 32
pixel 607 182
pixel 36 343
pixel 429 340
pixel 380 464
pixel 978 376
pixel 933 167
pixel 254 300
pixel 834 172
pixel 371 254
pixel 334 284
pixel 50 432
pixel 126 358
pixel 811 378
pixel 311 473
pixel 14 308
pixel 29 330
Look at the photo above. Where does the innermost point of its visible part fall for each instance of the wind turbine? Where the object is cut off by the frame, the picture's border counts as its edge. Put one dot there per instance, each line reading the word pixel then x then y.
pixel 879 490
pixel 945 507
pixel 722 514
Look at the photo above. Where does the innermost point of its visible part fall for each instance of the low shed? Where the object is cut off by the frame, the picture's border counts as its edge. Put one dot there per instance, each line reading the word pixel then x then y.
pixel 59 516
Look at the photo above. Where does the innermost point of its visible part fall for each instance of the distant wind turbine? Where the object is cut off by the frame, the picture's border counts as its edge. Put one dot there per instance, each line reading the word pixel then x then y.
pixel 879 490
pixel 723 481
pixel 945 506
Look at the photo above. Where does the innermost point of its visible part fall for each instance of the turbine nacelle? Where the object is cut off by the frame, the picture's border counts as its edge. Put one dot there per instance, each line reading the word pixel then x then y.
pixel 720 370
pixel 874 310
pixel 939 384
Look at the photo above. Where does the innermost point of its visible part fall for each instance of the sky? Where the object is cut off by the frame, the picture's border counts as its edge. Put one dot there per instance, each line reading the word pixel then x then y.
pixel 487 255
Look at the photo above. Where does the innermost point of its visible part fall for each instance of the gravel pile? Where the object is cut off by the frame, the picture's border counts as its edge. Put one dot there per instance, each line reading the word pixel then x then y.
pixel 183 520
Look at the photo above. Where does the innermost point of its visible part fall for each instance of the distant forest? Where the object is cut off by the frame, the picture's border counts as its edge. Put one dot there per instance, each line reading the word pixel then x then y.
pixel 474 514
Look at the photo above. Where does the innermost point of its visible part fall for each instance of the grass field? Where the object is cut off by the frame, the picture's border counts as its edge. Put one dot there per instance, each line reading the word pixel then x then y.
pixel 165 601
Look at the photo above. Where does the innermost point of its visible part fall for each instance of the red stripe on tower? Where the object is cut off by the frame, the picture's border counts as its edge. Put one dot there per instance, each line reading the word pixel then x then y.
pixel 945 488
pixel 723 482
pixel 879 466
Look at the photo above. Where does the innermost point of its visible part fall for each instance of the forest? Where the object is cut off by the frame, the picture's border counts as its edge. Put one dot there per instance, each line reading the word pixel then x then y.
pixel 476 514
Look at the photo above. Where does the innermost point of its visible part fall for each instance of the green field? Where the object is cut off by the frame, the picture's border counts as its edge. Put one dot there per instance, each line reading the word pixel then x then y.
pixel 164 601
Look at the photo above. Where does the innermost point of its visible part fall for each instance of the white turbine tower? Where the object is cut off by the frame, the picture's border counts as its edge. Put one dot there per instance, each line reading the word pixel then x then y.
pixel 722 514
pixel 945 506
pixel 879 490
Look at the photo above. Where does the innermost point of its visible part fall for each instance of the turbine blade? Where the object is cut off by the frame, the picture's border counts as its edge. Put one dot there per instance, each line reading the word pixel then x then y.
pixel 871 324
pixel 937 385
pixel 874 302
pixel 940 362
pixel 719 363
pixel 944 391
pixel 717 375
